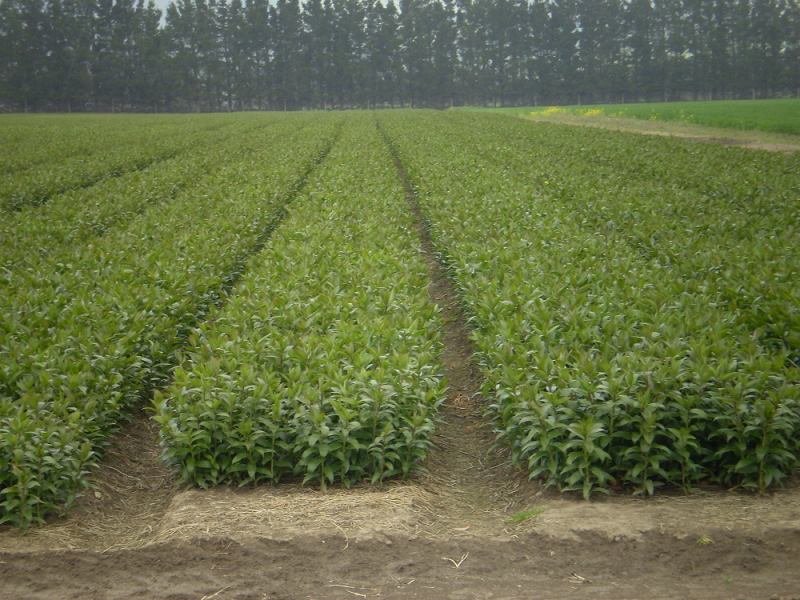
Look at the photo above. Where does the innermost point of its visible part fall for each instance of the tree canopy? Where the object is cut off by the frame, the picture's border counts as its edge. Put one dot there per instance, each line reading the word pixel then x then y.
pixel 283 54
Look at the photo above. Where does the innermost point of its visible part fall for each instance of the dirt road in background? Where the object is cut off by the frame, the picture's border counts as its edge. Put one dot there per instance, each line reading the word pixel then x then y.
pixel 755 140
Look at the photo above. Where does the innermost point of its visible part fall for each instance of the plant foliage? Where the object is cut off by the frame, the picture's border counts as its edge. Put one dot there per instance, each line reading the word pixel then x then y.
pixel 634 301
pixel 324 364
pixel 88 329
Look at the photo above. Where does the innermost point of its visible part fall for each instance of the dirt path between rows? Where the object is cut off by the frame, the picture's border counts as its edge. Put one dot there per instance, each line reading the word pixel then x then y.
pixel 469 526
pixel 754 140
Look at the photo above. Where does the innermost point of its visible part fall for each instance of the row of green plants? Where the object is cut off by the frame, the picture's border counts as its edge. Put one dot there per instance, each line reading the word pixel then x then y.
pixel 324 365
pixel 31 141
pixel 609 366
pixel 34 234
pixel 101 323
pixel 133 148
pixel 738 234
pixel 727 178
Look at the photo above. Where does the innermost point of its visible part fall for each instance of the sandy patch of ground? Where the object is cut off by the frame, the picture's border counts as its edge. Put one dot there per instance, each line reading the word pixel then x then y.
pixel 756 140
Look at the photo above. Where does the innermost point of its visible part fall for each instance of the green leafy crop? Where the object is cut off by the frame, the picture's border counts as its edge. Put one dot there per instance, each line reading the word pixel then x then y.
pixel 324 364
pixel 634 300
pixel 51 156
pixel 87 329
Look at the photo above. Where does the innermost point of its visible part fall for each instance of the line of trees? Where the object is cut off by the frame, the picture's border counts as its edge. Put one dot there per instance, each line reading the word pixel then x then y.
pixel 284 54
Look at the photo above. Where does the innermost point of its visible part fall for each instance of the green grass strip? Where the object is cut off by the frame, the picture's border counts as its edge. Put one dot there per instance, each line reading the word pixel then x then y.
pixel 775 116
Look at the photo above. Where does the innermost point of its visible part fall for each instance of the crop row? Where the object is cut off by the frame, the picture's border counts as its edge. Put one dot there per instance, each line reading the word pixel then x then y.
pixel 31 141
pixel 101 324
pixel 132 149
pixel 738 235
pixel 725 178
pixel 609 365
pixel 32 235
pixel 324 365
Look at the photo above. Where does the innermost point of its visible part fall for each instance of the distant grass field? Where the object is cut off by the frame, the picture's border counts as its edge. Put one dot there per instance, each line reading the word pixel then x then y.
pixel 777 116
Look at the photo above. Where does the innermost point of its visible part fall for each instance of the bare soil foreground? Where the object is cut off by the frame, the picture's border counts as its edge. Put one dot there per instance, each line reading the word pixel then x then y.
pixel 756 140
pixel 447 534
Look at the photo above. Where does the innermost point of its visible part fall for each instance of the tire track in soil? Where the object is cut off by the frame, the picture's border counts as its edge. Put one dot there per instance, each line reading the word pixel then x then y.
pixel 473 483
pixel 131 488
